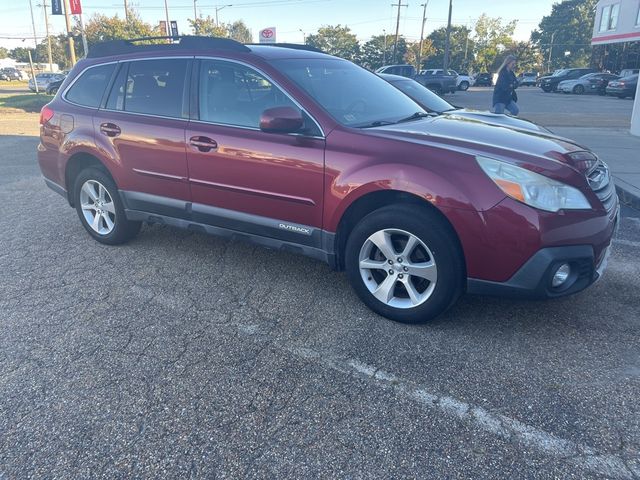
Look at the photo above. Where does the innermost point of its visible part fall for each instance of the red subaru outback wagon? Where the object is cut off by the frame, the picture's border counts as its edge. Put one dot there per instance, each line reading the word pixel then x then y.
pixel 297 150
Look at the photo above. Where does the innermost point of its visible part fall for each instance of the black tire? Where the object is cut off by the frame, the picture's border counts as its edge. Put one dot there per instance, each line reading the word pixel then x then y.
pixel 436 234
pixel 436 89
pixel 53 91
pixel 546 89
pixel 622 96
pixel 578 89
pixel 464 86
pixel 123 229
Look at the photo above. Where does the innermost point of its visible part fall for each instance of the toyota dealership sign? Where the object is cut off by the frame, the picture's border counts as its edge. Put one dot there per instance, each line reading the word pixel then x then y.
pixel 268 35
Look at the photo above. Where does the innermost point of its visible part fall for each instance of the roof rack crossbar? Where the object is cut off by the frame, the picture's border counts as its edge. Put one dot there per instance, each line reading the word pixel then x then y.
pixel 294 46
pixel 186 42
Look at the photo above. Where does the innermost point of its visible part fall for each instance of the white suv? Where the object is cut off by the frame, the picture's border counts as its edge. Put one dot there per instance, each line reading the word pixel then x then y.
pixel 463 82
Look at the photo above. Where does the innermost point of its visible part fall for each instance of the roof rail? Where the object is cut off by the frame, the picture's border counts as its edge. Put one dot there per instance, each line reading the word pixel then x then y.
pixel 186 42
pixel 294 46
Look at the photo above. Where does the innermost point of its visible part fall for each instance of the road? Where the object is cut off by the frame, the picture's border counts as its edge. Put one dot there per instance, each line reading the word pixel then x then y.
pixel 181 355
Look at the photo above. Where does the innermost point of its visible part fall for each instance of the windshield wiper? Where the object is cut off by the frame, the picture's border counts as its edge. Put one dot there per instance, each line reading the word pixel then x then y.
pixel 376 123
pixel 415 116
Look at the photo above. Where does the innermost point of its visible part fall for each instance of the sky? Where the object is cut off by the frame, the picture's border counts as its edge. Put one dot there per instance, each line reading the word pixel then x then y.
pixel 292 18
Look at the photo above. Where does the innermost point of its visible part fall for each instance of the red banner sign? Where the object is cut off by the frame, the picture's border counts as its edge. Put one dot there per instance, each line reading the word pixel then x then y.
pixel 75 7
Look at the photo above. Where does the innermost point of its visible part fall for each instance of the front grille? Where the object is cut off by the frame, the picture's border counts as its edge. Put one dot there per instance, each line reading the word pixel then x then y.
pixel 600 182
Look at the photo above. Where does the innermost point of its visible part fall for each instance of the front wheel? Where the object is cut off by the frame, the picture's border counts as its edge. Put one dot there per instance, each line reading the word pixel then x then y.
pixel 100 209
pixel 405 264
pixel 464 86
pixel 578 90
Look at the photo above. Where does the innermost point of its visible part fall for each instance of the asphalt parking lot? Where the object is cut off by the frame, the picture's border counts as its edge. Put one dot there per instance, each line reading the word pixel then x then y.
pixel 181 355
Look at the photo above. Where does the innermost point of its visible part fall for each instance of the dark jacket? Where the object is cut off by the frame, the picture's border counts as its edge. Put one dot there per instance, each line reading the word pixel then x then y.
pixel 506 85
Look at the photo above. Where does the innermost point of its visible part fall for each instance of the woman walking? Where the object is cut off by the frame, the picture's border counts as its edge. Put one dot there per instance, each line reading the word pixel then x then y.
pixel 504 93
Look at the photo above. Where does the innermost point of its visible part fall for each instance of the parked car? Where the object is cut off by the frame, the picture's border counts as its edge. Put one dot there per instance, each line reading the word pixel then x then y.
pixel 327 159
pixel 627 72
pixel 484 80
pixel 11 73
pixel 463 81
pixel 623 87
pixel 589 83
pixel 43 80
pixel 402 70
pixel 550 83
pixel 528 79
pixel 54 86
pixel 438 106
pixel 4 77
pixel 439 81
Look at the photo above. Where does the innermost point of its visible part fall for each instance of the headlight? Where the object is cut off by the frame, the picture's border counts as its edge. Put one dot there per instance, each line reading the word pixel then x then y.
pixel 532 188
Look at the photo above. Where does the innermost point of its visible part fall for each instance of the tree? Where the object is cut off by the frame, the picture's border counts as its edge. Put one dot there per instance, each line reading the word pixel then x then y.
pixel 413 52
pixel 336 40
pixel 373 54
pixel 571 26
pixel 239 32
pixel 207 26
pixel 58 51
pixel 20 54
pixel 461 55
pixel 491 40
pixel 4 53
pixel 528 55
pixel 100 28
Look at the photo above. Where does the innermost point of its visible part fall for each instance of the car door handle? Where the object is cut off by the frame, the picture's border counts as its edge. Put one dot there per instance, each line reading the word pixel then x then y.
pixel 110 129
pixel 203 144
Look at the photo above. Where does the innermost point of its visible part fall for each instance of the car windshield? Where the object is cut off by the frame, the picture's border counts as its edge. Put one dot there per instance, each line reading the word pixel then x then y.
pixel 352 95
pixel 425 97
pixel 559 72
pixel 588 75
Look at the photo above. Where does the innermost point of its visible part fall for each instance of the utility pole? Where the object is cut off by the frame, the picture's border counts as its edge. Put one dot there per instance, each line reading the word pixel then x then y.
pixel 72 48
pixel 384 51
pixel 195 13
pixel 447 44
pixel 550 50
pixel 395 43
pixel 424 20
pixel 218 9
pixel 126 10
pixel 46 27
pixel 35 41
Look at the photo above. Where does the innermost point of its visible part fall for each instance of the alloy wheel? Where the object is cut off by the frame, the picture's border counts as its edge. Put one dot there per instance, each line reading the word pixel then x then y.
pixel 97 207
pixel 398 268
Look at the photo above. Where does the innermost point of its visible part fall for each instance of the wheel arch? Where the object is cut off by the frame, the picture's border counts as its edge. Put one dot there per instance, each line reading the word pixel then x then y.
pixel 76 163
pixel 372 201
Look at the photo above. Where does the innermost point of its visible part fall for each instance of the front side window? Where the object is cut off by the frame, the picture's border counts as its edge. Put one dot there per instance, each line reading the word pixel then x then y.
pixel 233 94
pixel 352 95
pixel 152 87
pixel 89 88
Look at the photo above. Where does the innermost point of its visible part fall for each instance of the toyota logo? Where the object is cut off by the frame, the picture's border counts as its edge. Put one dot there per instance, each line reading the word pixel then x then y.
pixel 267 33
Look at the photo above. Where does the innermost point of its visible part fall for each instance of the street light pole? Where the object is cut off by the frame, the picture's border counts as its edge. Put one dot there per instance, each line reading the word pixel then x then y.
pixel 166 12
pixel 550 50
pixel 35 41
pixel 384 50
pixel 447 44
pixel 218 9
pixel 424 20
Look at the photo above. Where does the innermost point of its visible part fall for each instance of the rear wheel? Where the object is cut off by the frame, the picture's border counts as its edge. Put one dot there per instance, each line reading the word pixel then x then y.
pixel 100 209
pixel 578 89
pixel 622 96
pixel 405 265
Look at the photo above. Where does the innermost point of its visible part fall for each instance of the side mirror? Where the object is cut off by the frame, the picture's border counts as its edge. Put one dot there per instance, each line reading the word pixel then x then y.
pixel 281 120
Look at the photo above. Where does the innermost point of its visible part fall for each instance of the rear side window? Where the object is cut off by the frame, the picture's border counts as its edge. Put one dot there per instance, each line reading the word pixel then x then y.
pixel 90 86
pixel 153 87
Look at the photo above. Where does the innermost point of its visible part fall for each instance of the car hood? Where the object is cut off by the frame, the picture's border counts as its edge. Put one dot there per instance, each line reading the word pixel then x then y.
pixel 461 133
pixel 496 119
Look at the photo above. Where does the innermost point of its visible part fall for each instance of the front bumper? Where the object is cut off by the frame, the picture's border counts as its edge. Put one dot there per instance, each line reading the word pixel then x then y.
pixel 533 279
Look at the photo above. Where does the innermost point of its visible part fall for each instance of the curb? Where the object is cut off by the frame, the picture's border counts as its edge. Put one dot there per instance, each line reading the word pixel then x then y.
pixel 628 198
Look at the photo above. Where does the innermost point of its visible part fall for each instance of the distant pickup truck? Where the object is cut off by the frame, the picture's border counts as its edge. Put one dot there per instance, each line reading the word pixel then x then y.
pixel 437 80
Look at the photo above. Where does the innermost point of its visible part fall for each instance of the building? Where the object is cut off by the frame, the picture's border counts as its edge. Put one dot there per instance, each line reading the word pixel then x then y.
pixel 617 23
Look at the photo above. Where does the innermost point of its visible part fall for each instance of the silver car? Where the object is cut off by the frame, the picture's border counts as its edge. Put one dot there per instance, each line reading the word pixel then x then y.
pixel 589 83
pixel 43 80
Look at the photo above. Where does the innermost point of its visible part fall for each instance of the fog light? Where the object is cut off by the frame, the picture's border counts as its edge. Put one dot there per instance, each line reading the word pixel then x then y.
pixel 561 275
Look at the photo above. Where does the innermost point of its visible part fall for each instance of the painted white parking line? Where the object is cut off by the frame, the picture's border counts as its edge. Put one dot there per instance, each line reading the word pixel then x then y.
pixel 505 427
